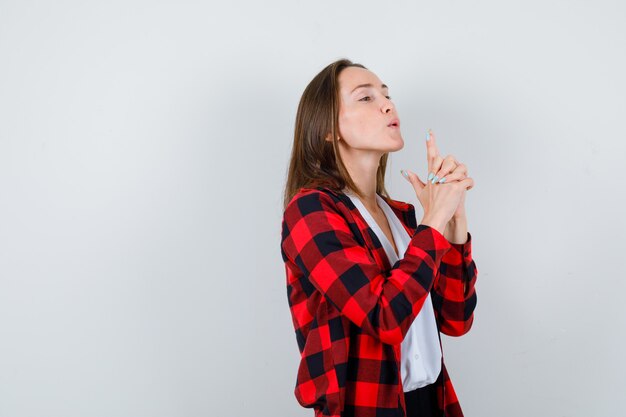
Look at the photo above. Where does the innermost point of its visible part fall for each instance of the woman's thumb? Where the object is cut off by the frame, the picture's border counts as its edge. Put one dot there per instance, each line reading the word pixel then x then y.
pixel 413 178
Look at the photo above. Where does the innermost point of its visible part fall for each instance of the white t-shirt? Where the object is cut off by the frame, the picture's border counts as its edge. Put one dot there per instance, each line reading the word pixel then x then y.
pixel 421 352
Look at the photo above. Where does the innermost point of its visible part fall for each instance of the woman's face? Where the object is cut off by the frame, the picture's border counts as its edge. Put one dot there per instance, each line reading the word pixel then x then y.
pixel 367 117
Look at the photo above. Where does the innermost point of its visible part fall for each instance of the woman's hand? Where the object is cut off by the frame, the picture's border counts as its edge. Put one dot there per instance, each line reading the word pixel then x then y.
pixel 441 201
pixel 447 169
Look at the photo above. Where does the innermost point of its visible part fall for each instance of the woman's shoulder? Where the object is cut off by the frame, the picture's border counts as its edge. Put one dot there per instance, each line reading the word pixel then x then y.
pixel 341 197
pixel 310 198
pixel 322 208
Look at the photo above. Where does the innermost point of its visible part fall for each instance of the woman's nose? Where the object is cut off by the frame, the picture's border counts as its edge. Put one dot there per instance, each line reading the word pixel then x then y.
pixel 387 106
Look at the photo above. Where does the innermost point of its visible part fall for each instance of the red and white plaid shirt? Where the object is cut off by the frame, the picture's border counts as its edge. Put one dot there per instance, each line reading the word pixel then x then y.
pixel 351 308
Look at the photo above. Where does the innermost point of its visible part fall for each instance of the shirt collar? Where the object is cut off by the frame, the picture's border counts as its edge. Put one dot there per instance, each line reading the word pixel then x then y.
pixel 406 211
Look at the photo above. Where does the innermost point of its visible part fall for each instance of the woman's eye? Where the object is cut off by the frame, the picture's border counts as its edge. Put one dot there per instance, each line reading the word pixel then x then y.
pixel 368 98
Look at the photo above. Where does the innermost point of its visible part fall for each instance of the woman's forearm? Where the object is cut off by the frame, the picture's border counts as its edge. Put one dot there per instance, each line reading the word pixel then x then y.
pixel 456 230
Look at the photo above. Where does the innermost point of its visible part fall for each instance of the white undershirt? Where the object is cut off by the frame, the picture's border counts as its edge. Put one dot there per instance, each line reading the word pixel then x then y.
pixel 421 352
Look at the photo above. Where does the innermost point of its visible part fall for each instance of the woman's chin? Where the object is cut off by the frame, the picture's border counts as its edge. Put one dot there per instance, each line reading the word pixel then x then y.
pixel 398 143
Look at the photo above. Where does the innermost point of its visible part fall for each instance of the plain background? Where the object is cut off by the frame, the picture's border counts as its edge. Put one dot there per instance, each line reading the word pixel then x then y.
pixel 143 153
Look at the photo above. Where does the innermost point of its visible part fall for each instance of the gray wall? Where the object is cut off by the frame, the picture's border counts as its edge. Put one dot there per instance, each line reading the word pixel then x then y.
pixel 143 151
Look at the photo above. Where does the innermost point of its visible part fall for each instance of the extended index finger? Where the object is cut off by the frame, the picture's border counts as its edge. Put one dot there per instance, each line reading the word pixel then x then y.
pixel 431 148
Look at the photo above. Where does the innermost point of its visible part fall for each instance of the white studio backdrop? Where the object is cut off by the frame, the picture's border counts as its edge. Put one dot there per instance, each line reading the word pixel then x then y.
pixel 143 154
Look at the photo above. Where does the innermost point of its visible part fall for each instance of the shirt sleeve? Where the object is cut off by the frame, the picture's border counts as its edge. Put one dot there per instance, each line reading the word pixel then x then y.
pixel 317 240
pixel 454 296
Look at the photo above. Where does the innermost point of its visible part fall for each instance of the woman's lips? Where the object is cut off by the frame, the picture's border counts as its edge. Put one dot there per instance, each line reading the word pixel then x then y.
pixel 395 123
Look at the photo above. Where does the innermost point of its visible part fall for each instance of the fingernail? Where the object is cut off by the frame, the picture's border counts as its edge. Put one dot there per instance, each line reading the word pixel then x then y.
pixel 430 176
pixel 428 135
pixel 435 179
pixel 404 173
pixel 441 181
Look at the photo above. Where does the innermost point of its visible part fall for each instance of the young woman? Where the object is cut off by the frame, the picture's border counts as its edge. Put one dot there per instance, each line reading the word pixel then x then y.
pixel 369 289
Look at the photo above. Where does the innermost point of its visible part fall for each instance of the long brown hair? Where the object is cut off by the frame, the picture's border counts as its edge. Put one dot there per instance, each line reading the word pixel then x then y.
pixel 314 160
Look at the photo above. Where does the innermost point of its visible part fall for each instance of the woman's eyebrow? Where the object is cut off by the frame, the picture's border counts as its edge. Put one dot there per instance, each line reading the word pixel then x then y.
pixel 367 85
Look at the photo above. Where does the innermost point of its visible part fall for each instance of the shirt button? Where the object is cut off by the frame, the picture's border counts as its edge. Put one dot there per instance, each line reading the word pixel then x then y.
pixel 417 356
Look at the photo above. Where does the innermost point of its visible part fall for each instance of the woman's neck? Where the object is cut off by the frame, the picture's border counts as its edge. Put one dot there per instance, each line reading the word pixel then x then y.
pixel 363 169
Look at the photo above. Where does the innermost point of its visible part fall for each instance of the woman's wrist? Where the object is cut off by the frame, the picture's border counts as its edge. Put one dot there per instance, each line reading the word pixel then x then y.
pixel 456 230
pixel 435 223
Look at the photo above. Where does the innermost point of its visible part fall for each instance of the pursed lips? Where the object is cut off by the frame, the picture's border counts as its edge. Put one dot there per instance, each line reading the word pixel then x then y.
pixel 394 123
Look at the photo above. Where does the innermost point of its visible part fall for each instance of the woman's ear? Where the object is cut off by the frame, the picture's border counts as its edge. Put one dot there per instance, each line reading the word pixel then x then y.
pixel 327 138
